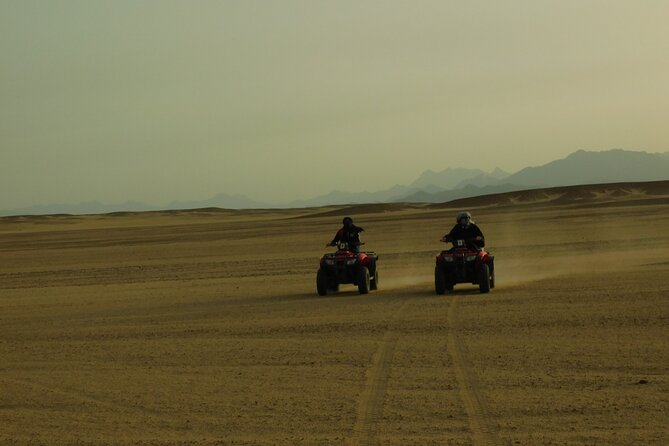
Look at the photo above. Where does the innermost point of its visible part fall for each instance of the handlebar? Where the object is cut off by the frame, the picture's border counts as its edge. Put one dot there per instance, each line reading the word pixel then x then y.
pixel 462 243
pixel 345 243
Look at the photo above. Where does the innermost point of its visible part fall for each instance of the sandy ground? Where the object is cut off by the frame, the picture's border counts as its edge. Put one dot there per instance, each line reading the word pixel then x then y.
pixel 201 328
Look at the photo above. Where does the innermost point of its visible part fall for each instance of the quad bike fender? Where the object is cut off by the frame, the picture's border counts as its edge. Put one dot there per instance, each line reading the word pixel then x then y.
pixel 328 261
pixel 363 259
pixel 483 258
pixel 439 260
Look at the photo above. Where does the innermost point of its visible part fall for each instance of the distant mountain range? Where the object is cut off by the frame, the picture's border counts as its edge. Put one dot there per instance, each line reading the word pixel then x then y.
pixel 86 207
pixel 221 201
pixel 596 167
pixel 581 167
pixel 224 201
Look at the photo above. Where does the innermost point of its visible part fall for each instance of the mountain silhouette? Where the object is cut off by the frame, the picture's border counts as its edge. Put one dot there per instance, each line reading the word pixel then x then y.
pixel 580 167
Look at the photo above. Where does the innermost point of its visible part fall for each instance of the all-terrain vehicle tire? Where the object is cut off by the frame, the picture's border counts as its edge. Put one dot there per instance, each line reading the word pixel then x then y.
pixel 322 282
pixel 484 278
pixel 492 278
pixel 440 284
pixel 363 280
pixel 374 283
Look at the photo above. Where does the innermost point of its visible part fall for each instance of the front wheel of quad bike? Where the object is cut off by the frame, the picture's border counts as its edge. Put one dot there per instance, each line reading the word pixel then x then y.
pixel 484 278
pixel 321 283
pixel 374 283
pixel 440 284
pixel 363 280
pixel 492 278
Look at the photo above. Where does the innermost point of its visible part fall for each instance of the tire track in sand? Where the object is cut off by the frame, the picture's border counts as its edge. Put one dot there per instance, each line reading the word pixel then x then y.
pixel 148 416
pixel 370 406
pixel 484 431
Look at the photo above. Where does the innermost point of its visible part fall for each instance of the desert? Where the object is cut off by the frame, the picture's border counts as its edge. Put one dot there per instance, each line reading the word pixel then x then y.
pixel 203 327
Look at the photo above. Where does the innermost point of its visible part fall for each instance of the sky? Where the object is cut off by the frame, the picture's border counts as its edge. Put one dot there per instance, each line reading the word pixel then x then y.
pixel 280 100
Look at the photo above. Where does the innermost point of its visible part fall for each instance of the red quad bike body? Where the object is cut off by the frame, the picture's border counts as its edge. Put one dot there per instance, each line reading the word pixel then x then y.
pixel 464 263
pixel 347 266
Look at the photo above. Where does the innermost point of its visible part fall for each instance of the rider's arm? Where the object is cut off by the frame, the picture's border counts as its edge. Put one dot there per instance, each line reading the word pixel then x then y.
pixel 338 236
pixel 479 240
pixel 449 237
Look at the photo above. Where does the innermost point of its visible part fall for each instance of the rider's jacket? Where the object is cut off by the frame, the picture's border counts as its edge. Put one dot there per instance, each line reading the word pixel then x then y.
pixel 349 234
pixel 469 234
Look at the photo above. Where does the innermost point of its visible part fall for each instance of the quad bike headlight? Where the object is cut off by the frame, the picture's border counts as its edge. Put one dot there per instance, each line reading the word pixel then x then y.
pixel 470 258
pixel 448 259
pixel 351 262
pixel 329 262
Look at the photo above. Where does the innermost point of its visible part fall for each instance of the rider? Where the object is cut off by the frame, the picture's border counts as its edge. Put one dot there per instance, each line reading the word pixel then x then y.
pixel 349 233
pixel 466 230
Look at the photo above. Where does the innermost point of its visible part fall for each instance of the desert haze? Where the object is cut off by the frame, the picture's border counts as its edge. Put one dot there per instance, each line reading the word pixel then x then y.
pixel 204 327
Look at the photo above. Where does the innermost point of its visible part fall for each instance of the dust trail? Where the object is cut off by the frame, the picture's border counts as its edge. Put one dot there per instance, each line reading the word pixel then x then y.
pixel 510 271
pixel 400 280
pixel 407 271
pixel 522 270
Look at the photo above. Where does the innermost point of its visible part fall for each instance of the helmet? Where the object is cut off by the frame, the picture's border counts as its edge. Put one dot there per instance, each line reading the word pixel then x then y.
pixel 347 221
pixel 463 218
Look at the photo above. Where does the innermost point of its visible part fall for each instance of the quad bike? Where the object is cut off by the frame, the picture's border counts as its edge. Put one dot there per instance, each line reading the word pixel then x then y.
pixel 464 263
pixel 346 265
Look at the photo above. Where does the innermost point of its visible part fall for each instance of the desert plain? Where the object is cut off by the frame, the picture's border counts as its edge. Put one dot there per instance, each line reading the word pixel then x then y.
pixel 204 327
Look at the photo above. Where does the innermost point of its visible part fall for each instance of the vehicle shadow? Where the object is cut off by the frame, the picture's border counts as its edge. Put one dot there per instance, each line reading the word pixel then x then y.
pixel 473 291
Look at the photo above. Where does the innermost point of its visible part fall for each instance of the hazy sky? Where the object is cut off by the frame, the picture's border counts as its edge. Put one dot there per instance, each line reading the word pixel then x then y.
pixel 175 100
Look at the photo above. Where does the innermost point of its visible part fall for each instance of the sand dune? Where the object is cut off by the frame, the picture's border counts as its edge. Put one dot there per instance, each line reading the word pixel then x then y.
pixel 204 327
pixel 591 194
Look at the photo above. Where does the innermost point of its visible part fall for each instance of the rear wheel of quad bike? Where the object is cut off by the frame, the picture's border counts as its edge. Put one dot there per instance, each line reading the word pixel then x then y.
pixel 374 283
pixel 440 284
pixel 363 280
pixel 321 283
pixel 484 278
